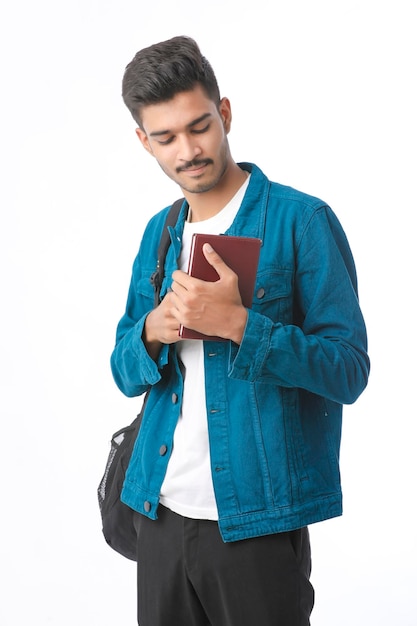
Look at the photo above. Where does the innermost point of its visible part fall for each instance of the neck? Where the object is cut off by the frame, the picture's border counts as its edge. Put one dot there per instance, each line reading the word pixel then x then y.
pixel 207 204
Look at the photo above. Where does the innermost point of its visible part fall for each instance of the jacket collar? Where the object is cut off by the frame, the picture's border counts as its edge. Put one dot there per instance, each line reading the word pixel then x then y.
pixel 251 217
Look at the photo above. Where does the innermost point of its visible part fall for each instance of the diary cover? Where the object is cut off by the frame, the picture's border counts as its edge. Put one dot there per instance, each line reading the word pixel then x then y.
pixel 241 254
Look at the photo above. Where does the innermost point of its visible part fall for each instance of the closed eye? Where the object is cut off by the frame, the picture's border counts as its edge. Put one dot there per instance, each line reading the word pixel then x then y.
pixel 199 131
pixel 166 142
pixel 194 131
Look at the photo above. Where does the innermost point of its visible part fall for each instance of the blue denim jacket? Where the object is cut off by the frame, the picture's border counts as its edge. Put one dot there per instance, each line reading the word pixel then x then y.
pixel 274 403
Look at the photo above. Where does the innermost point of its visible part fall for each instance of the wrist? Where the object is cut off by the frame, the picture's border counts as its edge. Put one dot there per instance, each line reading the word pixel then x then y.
pixel 239 321
pixel 149 338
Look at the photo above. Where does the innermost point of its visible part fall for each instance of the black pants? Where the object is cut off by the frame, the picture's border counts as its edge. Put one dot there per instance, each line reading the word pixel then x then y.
pixel 187 576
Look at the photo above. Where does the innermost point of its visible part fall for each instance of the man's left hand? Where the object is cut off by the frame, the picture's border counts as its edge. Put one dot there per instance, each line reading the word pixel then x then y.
pixel 212 308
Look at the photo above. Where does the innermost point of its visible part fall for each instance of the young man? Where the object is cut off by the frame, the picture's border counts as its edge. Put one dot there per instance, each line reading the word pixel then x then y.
pixel 239 445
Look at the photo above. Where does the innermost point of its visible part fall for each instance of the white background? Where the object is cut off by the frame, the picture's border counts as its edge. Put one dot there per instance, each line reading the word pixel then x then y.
pixel 323 95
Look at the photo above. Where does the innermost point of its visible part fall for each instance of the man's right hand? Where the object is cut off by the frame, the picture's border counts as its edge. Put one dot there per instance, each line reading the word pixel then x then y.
pixel 160 327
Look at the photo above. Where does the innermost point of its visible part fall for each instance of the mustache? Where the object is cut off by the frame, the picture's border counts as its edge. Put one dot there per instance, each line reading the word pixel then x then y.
pixel 194 163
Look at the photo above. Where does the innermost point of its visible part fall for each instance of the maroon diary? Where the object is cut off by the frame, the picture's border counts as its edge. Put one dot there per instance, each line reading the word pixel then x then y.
pixel 241 254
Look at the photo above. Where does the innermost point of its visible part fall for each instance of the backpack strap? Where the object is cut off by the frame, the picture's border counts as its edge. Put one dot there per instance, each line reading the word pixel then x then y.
pixel 158 275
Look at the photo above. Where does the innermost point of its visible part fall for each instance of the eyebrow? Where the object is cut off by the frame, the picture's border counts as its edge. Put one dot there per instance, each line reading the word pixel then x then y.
pixel 200 119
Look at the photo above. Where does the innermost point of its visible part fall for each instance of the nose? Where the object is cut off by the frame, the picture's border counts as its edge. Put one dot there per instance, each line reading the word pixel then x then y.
pixel 188 148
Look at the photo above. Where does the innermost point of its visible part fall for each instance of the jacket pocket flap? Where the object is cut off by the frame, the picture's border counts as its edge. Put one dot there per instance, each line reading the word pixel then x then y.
pixel 272 284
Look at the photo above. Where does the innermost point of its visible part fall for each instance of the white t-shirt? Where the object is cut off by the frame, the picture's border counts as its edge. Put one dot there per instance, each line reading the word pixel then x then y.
pixel 188 486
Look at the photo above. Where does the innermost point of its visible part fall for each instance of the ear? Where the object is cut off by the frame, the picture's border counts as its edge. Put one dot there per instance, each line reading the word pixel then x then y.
pixel 225 111
pixel 143 138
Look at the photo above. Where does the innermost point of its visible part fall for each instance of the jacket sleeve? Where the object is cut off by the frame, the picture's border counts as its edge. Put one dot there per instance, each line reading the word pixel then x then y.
pixel 133 369
pixel 324 350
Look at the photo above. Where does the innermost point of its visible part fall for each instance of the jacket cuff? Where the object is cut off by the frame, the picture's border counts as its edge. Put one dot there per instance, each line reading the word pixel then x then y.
pixel 247 362
pixel 148 366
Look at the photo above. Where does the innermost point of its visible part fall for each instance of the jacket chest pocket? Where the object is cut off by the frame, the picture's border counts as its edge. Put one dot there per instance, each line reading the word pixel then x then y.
pixel 273 295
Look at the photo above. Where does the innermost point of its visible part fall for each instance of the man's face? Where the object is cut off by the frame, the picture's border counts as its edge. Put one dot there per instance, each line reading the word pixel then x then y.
pixel 188 137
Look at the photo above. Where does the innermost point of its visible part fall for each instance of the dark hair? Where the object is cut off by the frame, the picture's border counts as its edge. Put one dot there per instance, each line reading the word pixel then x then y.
pixel 158 73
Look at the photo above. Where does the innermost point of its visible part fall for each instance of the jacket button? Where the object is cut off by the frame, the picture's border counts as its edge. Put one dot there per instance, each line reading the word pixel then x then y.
pixel 147 506
pixel 174 398
pixel 260 293
pixel 163 450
